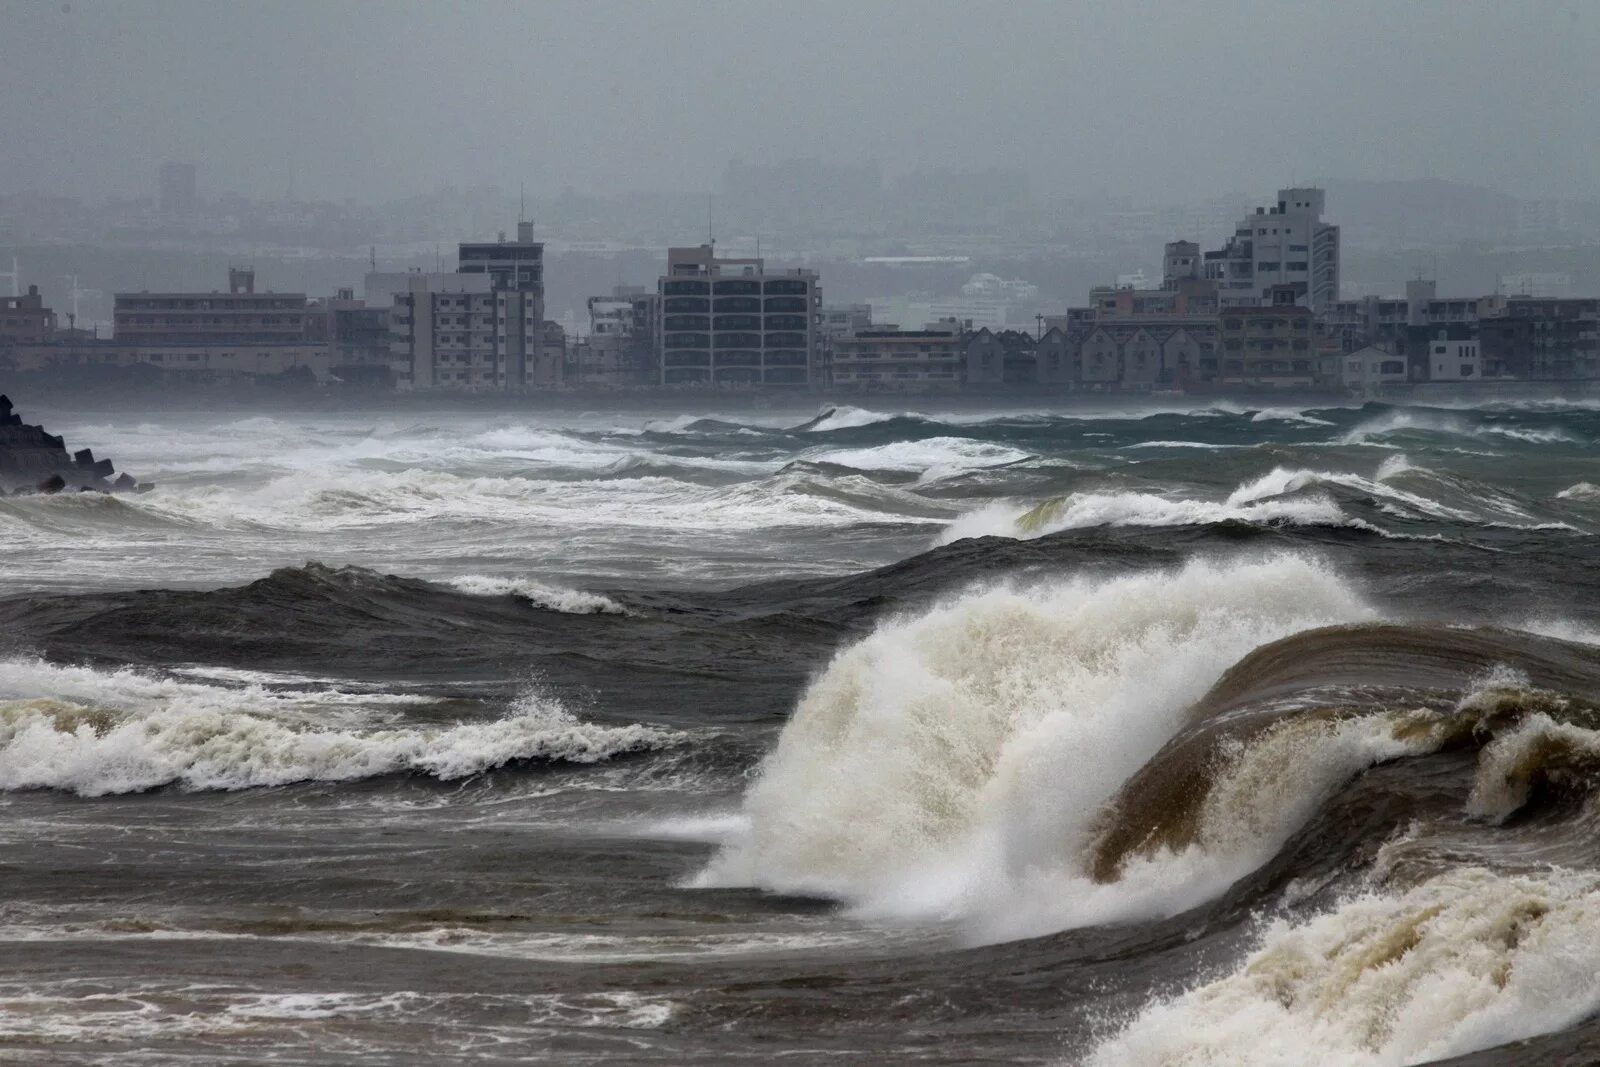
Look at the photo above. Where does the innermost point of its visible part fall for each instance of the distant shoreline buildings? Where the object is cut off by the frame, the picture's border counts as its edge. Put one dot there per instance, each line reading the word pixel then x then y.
pixel 1261 312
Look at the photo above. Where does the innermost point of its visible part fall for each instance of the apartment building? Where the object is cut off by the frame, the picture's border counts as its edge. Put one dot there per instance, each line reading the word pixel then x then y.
pixel 620 349
pixel 891 358
pixel 1285 244
pixel 732 322
pixel 241 316
pixel 1269 346
pixel 481 329
pixel 24 319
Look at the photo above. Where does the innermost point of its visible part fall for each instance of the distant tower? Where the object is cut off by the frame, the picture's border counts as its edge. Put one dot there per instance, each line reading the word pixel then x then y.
pixel 241 280
pixel 177 189
pixel 1181 261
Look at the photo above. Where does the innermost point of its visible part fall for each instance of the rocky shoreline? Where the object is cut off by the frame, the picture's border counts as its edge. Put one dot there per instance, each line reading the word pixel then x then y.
pixel 34 461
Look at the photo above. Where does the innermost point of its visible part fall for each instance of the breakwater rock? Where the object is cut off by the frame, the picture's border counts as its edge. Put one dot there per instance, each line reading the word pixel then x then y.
pixel 33 461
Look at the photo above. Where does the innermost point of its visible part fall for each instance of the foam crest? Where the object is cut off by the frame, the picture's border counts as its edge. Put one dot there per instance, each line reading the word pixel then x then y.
pixel 1288 415
pixel 551 598
pixel 953 764
pixel 126 732
pixel 1282 481
pixel 1082 510
pixel 1583 492
pixel 1468 960
pixel 846 417
pixel 929 454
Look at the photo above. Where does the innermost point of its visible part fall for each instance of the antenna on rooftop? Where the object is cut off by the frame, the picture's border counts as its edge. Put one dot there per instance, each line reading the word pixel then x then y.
pixel 522 202
pixel 711 233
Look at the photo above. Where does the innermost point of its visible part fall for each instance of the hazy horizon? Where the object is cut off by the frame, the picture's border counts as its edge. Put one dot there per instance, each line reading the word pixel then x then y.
pixel 1160 101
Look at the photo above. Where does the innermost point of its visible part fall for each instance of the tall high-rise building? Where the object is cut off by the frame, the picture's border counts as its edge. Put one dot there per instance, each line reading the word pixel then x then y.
pixel 177 189
pixel 1285 244
pixel 732 322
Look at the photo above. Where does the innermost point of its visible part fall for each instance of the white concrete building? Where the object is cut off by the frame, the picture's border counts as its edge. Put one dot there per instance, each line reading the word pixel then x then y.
pixel 1365 369
pixel 1285 244
pixel 1454 356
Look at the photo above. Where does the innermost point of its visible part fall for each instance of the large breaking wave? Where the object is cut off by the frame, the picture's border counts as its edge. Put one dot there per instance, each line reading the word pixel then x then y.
pixel 952 764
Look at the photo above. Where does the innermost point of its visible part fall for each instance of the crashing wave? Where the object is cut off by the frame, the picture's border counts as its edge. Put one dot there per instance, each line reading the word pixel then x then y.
pixel 94 733
pixel 1467 960
pixel 952 764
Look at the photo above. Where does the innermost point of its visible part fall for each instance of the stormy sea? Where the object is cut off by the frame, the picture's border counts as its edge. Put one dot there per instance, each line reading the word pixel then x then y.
pixel 1206 735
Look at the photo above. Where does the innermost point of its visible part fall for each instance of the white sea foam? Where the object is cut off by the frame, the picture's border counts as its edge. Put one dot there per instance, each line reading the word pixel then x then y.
pixel 333 501
pixel 1468 960
pixel 551 598
pixel 846 417
pixel 1083 510
pixel 953 764
pixel 929 454
pixel 1583 492
pixel 1422 421
pixel 84 1011
pixel 93 733
pixel 1288 415
pixel 1281 481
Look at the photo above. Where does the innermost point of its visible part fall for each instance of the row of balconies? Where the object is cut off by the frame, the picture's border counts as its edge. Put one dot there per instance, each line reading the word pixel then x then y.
pixel 692 339
pixel 734 322
pixel 736 287
pixel 738 304
pixel 737 358
pixel 197 322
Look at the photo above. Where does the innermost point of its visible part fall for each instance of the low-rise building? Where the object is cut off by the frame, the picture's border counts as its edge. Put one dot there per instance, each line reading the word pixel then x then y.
pixel 1365 370
pixel 24 319
pixel 239 317
pixel 888 357
pixel 1450 351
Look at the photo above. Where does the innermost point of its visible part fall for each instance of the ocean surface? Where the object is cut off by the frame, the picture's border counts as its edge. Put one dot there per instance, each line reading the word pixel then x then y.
pixel 1201 736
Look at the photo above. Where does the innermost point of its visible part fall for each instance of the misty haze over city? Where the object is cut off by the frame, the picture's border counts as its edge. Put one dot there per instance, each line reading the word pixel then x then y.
pixel 1058 142
pixel 798 531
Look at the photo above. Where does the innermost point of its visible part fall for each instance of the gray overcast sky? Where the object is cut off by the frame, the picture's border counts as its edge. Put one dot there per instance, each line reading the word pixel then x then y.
pixel 1165 100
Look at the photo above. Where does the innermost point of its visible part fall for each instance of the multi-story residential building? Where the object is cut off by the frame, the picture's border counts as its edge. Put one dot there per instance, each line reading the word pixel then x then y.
pixel 443 338
pixel 1561 341
pixel 1287 244
pixel 241 316
pixel 620 349
pixel 732 322
pixel 516 278
pixel 481 329
pixel 888 357
pixel 24 319
pixel 357 337
pixel 1269 346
